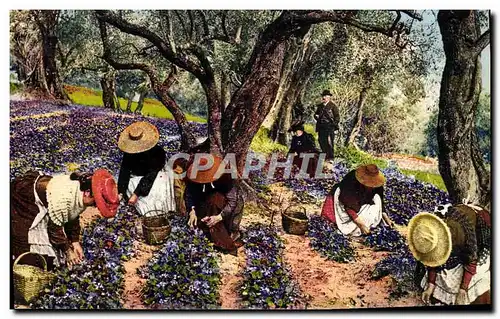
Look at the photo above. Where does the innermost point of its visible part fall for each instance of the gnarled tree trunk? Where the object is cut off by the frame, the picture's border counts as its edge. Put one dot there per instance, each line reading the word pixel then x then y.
pixel 130 99
pixel 47 21
pixel 460 162
pixel 108 85
pixel 363 95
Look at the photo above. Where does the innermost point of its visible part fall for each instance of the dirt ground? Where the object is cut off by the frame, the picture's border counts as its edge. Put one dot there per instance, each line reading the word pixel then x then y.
pixel 326 284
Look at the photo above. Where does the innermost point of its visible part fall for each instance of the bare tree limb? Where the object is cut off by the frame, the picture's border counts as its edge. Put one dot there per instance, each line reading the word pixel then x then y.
pixel 191 28
pixel 347 17
pixel 171 78
pixel 170 32
pixel 181 21
pixel 206 29
pixel 224 26
pixel 231 40
pixel 237 37
pixel 396 21
pixel 412 14
pixel 166 50
pixel 160 89
pixel 482 42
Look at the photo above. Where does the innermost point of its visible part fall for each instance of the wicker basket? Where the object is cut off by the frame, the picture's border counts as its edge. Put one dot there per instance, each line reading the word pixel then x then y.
pixel 29 280
pixel 296 222
pixel 155 228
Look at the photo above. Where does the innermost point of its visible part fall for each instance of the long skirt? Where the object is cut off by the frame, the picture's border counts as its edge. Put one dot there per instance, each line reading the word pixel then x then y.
pixel 220 233
pixel 23 210
pixel 334 211
pixel 448 283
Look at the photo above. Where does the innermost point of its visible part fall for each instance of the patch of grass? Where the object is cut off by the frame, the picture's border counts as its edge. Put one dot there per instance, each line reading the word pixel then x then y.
pixel 261 143
pixel 14 87
pixel 431 178
pixel 152 107
pixel 355 157
pixel 309 128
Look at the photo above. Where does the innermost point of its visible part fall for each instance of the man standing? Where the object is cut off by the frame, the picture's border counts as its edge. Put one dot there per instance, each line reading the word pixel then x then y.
pixel 327 123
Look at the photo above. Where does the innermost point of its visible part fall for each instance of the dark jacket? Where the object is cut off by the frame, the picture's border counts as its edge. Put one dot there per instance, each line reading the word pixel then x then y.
pixel 303 144
pixel 146 164
pixel 327 116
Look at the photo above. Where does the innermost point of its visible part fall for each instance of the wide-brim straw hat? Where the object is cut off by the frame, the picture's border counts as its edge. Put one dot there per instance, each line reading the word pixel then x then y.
pixel 370 175
pixel 138 137
pixel 105 192
pixel 206 175
pixel 429 239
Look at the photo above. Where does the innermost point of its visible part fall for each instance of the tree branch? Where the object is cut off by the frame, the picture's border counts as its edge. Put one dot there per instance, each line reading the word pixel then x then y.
pixel 224 26
pixel 181 20
pixel 160 89
pixel 482 42
pixel 347 17
pixel 191 31
pixel 171 78
pixel 227 38
pixel 182 60
pixel 412 14
pixel 206 29
pixel 115 64
pixel 170 31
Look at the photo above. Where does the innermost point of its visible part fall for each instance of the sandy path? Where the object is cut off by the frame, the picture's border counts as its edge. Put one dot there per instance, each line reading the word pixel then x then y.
pixel 132 296
pixel 231 268
pixel 333 285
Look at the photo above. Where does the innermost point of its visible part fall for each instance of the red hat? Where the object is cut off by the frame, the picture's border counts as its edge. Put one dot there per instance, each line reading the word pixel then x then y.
pixel 105 193
pixel 207 175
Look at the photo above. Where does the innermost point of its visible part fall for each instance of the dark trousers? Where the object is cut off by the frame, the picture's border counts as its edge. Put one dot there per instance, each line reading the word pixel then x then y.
pixel 326 136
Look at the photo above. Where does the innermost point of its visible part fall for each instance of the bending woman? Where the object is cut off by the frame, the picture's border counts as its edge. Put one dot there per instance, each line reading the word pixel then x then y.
pixel 45 213
pixel 145 180
pixel 356 203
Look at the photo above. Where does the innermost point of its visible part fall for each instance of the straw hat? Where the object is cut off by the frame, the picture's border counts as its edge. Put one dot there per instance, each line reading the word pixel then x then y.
pixel 105 193
pixel 370 176
pixel 138 137
pixel 207 175
pixel 429 239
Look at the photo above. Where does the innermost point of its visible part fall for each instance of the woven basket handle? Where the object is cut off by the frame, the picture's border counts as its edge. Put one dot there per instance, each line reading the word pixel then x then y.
pixel 27 253
pixel 155 210
pixel 286 210
pixel 300 207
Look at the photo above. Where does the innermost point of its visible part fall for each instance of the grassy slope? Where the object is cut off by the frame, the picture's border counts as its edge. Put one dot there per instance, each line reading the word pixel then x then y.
pixel 152 107
pixel 427 177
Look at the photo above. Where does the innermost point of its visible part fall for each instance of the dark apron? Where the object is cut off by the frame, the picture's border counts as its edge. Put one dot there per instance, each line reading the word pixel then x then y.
pixel 219 234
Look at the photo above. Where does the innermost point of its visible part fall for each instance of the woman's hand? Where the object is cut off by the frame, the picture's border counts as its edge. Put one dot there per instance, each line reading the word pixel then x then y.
pixel 71 258
pixel 461 297
pixel 192 218
pixel 426 295
pixel 133 199
pixel 77 248
pixel 211 221
pixel 361 224
pixel 387 220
